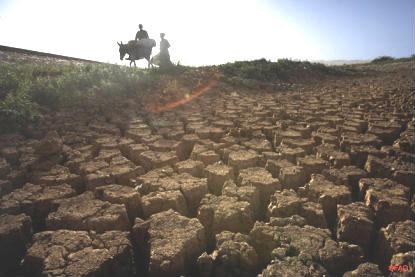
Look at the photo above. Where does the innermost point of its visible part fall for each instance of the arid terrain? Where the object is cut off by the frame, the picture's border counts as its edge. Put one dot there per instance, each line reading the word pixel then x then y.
pixel 310 177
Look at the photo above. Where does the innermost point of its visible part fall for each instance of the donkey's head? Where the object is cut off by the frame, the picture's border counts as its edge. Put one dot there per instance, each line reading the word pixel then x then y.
pixel 123 50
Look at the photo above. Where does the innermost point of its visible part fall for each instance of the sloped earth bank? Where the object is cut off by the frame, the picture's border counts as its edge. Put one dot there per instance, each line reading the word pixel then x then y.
pixel 314 181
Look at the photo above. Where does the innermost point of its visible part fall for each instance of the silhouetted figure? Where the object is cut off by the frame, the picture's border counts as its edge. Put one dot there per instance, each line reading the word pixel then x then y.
pixel 164 51
pixel 141 34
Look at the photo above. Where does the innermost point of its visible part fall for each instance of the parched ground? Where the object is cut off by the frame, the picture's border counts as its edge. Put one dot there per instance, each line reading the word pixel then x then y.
pixel 310 179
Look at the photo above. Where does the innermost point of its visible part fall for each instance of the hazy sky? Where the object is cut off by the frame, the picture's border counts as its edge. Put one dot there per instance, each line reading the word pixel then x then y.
pixel 214 31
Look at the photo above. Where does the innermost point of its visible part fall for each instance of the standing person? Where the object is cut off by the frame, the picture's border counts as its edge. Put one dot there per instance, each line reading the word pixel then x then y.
pixel 164 51
pixel 141 34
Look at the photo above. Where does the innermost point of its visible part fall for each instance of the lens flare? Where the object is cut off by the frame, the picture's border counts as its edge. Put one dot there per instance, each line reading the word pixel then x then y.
pixel 188 97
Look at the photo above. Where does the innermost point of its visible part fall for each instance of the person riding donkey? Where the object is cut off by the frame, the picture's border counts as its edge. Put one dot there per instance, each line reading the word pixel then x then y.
pixel 140 47
pixel 142 39
pixel 141 34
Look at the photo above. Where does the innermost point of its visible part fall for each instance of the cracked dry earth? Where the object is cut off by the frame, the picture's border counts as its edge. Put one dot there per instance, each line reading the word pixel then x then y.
pixel 314 182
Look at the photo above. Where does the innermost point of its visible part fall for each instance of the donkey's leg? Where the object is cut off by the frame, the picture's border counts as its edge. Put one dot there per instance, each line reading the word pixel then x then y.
pixel 148 62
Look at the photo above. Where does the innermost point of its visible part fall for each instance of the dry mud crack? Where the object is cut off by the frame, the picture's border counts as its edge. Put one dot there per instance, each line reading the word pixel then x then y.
pixel 315 181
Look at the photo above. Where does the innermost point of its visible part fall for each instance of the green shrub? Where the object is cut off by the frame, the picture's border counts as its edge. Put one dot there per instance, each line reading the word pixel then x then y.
pixel 406 59
pixel 25 87
pixel 283 69
pixel 9 81
pixel 383 59
pixel 16 110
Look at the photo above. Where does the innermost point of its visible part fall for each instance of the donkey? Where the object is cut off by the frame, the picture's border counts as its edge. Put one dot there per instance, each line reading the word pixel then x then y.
pixel 136 51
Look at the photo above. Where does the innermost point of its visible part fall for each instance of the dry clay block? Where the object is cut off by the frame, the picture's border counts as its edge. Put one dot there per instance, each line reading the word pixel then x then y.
pixel 4 168
pixel 15 235
pixel 145 182
pixel 406 260
pixel 287 203
pixel 242 159
pixel 312 165
pixel 397 237
pixel 224 213
pixel 175 242
pixel 292 177
pixel 347 175
pixel 154 159
pixel 261 179
pixel 118 194
pixel 366 269
pixel 57 175
pixel 176 187
pixel 79 253
pixel 85 212
pixel 159 201
pixel 216 175
pixel 243 193
pixel 388 199
pixel 234 256
pixel 192 167
pixel 293 267
pixel 35 201
pixel 328 194
pixel 275 166
pixel 288 241
pixel 355 224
